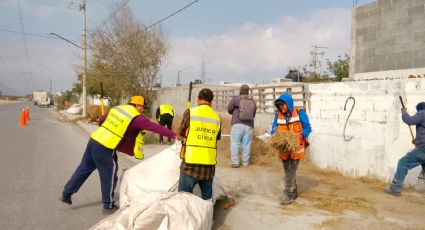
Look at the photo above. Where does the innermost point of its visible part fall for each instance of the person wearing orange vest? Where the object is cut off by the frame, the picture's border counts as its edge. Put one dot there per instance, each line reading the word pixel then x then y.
pixel 294 120
pixel 199 131
pixel 121 129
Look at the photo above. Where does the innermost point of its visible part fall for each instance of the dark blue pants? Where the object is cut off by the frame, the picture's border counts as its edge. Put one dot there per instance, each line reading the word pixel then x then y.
pixel 187 183
pixel 104 160
pixel 410 160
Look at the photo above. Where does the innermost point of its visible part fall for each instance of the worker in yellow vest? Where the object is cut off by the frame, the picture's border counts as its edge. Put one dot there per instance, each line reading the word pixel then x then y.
pixel 199 132
pixel 164 116
pixel 293 120
pixel 120 129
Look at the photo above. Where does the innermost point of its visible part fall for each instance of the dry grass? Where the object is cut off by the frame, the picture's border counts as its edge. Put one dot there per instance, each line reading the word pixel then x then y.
pixel 336 204
pixel 261 154
pixel 284 142
pixel 94 111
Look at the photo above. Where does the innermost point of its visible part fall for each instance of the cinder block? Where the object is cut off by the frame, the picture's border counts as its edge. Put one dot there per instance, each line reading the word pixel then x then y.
pixel 405 64
pixel 383 103
pixel 419 62
pixel 359 115
pixel 380 117
pixel 327 114
pixel 415 10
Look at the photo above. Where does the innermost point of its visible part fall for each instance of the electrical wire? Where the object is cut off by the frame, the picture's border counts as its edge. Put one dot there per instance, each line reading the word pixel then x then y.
pixel 21 25
pixel 113 14
pixel 169 16
pixel 29 34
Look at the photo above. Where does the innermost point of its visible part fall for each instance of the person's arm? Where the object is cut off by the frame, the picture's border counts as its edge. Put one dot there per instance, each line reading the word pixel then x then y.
pixel 274 125
pixel 413 120
pixel 157 114
pixel 141 122
pixel 255 106
pixel 219 132
pixel 101 119
pixel 305 123
pixel 184 125
pixel 231 106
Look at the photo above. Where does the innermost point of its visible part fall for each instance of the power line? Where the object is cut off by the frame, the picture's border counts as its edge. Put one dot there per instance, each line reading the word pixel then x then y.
pixel 315 55
pixel 29 34
pixel 21 24
pixel 169 16
pixel 113 14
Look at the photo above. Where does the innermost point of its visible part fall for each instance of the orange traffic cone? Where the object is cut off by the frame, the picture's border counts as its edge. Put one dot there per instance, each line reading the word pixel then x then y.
pixel 27 113
pixel 23 119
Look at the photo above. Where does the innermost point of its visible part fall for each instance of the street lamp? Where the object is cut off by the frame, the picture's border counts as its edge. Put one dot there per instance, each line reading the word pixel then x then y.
pixel 178 74
pixel 84 68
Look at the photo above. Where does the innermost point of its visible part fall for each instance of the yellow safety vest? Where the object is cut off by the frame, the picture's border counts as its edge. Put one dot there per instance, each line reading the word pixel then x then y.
pixel 200 143
pixel 138 146
pixel 110 133
pixel 165 108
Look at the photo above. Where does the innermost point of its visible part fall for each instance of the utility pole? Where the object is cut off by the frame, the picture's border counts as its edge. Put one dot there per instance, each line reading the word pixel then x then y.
pixel 315 55
pixel 83 8
pixel 203 73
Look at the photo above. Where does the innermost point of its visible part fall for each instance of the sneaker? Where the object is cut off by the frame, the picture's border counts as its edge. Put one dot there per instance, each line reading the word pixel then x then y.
pixel 422 175
pixel 109 211
pixel 65 199
pixel 235 166
pixel 391 192
pixel 287 201
pixel 244 165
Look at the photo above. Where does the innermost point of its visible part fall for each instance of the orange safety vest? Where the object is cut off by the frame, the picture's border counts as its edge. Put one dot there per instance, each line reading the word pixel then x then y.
pixel 294 125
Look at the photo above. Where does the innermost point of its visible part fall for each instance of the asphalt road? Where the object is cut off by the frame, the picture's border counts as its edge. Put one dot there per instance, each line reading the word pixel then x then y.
pixel 36 161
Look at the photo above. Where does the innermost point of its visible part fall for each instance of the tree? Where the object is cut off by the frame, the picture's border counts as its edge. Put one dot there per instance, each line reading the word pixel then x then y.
pixel 340 67
pixel 125 57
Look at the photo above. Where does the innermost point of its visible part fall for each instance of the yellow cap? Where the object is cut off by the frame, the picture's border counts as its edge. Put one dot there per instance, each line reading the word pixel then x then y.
pixel 137 100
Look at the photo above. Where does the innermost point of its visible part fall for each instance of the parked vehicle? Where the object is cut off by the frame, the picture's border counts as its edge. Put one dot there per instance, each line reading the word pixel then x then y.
pixel 41 98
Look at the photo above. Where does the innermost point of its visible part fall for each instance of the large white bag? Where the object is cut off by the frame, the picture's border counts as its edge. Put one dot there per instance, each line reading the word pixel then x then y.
pixel 149 198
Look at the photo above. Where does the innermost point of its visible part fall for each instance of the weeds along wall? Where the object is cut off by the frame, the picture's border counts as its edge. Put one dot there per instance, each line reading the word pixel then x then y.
pixel 379 136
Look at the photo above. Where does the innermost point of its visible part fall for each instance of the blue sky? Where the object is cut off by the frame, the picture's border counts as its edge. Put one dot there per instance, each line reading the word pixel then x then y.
pixel 250 41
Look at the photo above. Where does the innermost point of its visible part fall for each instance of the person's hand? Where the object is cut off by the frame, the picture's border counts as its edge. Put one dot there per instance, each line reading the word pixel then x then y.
pixel 403 110
pixel 414 142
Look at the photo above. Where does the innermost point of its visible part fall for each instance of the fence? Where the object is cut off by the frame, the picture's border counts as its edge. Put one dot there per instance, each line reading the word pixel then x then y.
pixel 263 96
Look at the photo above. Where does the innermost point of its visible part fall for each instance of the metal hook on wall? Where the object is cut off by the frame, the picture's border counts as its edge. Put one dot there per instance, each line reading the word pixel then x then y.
pixel 348 117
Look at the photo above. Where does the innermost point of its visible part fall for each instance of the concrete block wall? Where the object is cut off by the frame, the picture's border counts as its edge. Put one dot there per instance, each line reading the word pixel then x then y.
pixel 388 35
pixel 379 137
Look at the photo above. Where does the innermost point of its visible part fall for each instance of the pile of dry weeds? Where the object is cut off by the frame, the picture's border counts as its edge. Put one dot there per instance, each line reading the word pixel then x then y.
pixel 284 142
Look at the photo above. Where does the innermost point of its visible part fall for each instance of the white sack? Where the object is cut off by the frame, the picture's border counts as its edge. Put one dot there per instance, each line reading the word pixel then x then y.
pixel 148 195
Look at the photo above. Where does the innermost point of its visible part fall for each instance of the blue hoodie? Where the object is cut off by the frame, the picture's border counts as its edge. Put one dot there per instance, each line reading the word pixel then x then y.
pixel 419 120
pixel 305 123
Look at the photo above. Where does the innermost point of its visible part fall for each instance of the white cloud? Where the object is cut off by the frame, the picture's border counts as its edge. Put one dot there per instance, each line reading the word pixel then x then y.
pixel 255 52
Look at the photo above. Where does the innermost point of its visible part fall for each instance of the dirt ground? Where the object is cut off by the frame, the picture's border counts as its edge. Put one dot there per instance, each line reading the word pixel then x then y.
pixel 3 102
pixel 327 200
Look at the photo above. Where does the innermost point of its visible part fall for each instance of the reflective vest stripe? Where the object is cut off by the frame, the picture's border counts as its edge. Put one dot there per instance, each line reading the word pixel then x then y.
pixel 115 125
pixel 293 126
pixel 205 119
pixel 124 113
